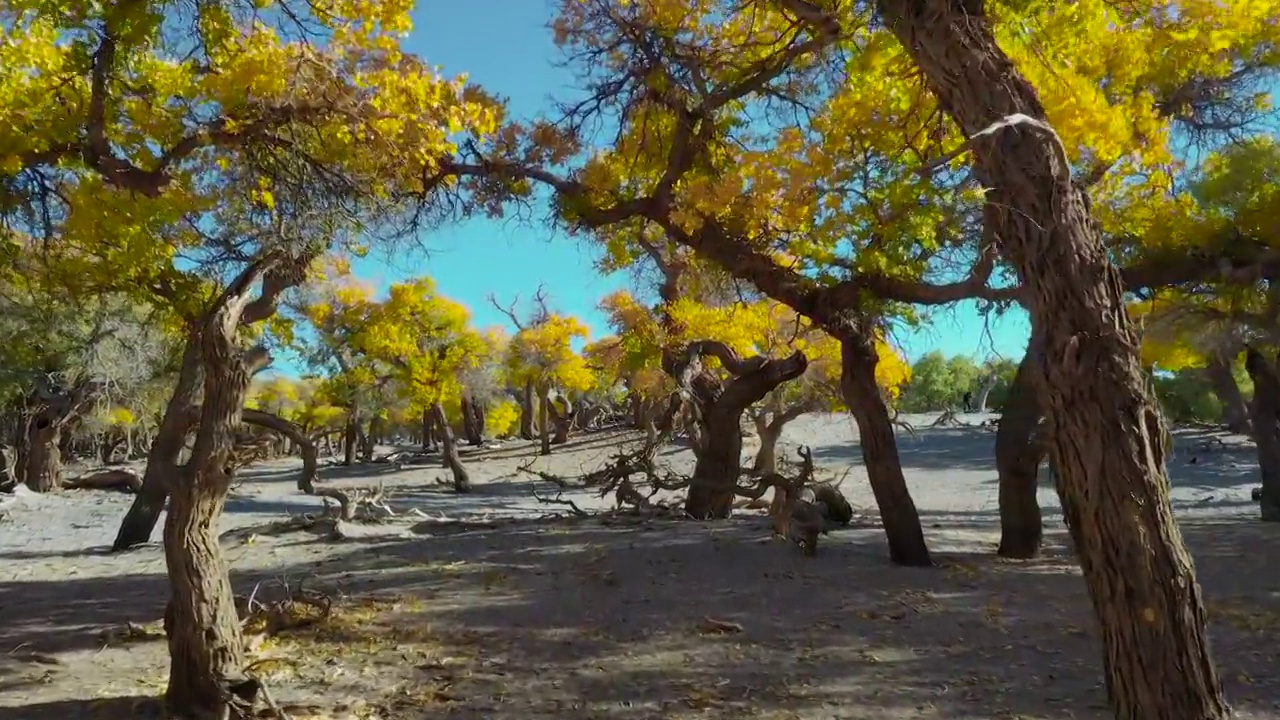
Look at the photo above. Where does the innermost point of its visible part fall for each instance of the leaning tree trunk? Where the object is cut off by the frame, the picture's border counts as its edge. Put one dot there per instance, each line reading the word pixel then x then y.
pixel 1019 452
pixel 718 410
pixel 449 451
pixel 1266 429
pixel 1108 439
pixel 880 450
pixel 162 458
pixel 1235 411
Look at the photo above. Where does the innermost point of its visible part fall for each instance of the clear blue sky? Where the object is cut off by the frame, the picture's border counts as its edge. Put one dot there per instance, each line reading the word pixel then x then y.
pixel 504 46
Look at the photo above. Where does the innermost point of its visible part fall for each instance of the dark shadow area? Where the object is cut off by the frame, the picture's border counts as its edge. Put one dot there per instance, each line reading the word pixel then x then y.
pixel 116 708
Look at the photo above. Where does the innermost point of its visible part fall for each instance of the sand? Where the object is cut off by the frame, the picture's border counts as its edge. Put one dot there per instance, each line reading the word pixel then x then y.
pixel 484 607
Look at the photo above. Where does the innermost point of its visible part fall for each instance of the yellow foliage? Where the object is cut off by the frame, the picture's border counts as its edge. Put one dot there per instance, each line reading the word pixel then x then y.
pixel 120 417
pixel 544 354
pixel 501 418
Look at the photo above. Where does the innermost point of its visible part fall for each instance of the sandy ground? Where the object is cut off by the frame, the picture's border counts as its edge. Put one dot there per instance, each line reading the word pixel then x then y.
pixel 505 613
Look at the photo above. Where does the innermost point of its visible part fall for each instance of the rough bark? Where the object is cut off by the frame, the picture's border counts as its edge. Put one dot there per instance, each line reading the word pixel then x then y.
pixel 1235 411
pixel 1265 419
pixel 526 411
pixel 449 451
pixel 428 431
pixel 718 410
pixel 206 676
pixel 1019 453
pixel 880 450
pixel 1108 439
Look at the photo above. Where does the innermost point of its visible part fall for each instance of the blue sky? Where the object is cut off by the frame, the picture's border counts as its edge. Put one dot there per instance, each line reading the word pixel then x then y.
pixel 504 46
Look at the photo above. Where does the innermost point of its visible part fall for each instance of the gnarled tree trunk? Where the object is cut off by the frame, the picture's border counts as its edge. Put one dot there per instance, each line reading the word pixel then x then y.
pixel 718 410
pixel 880 450
pixel 1235 411
pixel 48 429
pixel 351 438
pixel 1019 453
pixel 1108 440
pixel 449 451
pixel 1265 419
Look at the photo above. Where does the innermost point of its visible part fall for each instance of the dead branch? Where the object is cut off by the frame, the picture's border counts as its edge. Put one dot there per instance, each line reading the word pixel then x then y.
pixel 122 479
pixel 558 500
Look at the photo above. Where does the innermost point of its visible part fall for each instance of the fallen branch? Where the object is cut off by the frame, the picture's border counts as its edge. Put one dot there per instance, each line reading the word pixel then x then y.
pixel 557 500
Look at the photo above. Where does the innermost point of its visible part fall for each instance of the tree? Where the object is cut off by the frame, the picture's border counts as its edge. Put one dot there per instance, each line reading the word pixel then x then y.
pixel 425 341
pixel 1112 466
pixel 541 356
pixel 252 171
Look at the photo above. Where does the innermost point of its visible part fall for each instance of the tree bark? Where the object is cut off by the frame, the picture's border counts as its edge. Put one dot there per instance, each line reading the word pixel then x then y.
pixel 718 410
pixel 1019 453
pixel 449 451
pixel 1266 430
pixel 526 412
pixel 471 429
pixel 544 421
pixel 880 451
pixel 1235 411
pixel 350 438
pixel 1108 439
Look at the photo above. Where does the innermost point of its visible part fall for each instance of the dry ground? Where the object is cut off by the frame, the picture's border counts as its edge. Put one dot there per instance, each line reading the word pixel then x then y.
pixel 501 615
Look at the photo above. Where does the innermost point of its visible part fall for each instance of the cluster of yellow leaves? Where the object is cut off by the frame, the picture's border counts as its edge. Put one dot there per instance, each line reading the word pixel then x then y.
pixel 543 354
pixel 500 418
pixel 190 88
pixel 422 339
pixel 1109 75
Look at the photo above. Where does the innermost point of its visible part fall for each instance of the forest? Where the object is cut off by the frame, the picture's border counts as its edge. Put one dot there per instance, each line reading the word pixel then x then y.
pixel 368 505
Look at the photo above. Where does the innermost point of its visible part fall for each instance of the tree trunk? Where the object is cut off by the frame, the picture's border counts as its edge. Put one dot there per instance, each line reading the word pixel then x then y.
pixel 42 459
pixel 1235 411
pixel 1266 430
pixel 162 458
pixel 714 484
pixel 561 418
pixel 350 439
pixel 880 451
pixel 526 412
pixel 544 421
pixel 1019 453
pixel 985 386
pixel 1108 439
pixel 766 461
pixel 449 451
pixel 473 431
